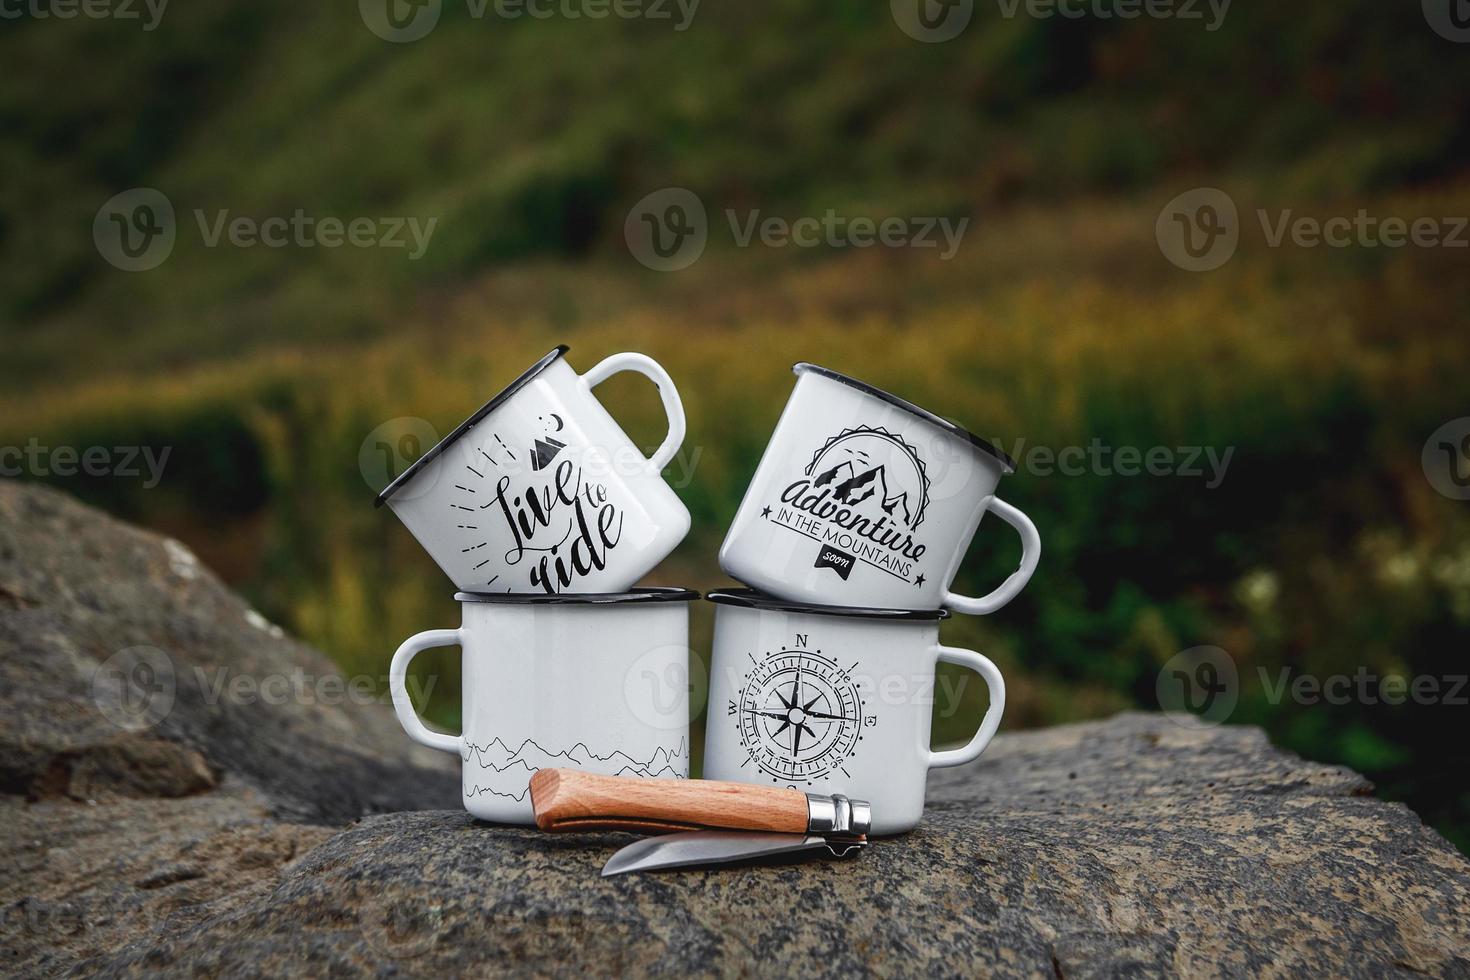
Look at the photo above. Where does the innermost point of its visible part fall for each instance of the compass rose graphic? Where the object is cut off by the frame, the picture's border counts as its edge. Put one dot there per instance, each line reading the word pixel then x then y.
pixel 800 714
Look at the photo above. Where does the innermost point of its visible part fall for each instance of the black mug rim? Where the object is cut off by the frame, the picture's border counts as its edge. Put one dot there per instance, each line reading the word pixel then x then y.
pixel 751 599
pixel 418 465
pixel 999 455
pixel 652 593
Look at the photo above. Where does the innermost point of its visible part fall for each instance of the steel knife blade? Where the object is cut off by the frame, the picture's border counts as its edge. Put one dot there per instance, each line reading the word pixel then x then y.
pixel 705 847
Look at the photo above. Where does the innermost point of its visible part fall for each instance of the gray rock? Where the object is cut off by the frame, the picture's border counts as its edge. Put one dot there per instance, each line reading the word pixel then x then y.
pixel 1133 846
pixel 1130 846
pixel 79 882
pixel 118 650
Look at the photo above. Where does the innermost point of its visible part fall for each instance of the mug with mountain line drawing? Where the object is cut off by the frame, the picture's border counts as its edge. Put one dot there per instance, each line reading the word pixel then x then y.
pixel 865 499
pixel 593 682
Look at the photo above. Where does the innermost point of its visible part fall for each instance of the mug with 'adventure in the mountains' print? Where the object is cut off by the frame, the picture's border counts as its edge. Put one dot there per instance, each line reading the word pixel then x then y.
pixel 864 499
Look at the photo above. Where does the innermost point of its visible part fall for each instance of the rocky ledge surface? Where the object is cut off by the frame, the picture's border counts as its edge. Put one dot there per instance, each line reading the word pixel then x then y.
pixel 293 837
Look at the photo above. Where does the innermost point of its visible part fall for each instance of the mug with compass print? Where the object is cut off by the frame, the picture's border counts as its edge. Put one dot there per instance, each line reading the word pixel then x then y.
pixel 834 700
pixel 865 499
pixel 541 490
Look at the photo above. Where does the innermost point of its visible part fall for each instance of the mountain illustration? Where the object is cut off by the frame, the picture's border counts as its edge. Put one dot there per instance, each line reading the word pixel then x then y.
pixel 854 488
pixel 843 469
pixel 507 772
pixel 544 451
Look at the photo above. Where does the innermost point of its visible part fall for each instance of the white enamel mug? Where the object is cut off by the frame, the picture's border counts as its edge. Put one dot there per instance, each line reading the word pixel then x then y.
pixel 542 491
pixel 831 700
pixel 864 499
pixel 593 682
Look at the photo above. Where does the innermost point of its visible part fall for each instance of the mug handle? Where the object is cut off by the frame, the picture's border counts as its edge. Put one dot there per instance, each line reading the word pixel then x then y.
pixel 1008 590
pixel 996 685
pixel 397 675
pixel 673 407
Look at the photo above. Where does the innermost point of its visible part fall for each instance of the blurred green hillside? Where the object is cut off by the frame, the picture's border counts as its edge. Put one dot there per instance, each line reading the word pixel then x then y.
pixel 1324 548
pixel 531 138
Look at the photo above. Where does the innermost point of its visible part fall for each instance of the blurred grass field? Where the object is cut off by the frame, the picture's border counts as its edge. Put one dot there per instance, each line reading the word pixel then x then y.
pixel 1324 548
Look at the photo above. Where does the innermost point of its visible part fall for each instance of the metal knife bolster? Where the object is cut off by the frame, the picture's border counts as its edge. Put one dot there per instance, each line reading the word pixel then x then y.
pixel 838 818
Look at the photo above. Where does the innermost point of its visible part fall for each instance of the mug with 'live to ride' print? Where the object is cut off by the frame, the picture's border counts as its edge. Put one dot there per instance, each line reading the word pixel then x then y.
pixel 541 491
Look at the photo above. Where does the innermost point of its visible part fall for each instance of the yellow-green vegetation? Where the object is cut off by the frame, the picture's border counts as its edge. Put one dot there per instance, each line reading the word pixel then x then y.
pixel 1322 548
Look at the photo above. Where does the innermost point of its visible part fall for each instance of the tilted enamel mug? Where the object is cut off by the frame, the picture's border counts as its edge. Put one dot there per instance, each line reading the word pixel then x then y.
pixel 864 499
pixel 592 682
pixel 833 700
pixel 542 491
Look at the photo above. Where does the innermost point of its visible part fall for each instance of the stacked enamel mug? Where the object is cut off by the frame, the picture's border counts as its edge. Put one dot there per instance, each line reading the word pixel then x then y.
pixel 544 515
pixel 851 532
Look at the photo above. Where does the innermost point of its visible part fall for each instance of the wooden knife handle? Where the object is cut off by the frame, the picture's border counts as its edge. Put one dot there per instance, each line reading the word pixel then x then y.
pixel 572 800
